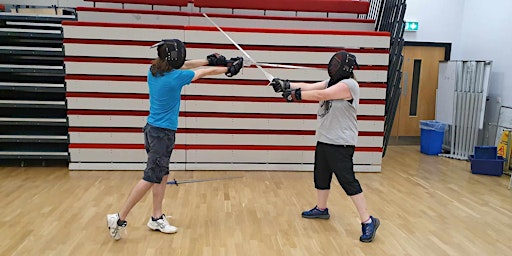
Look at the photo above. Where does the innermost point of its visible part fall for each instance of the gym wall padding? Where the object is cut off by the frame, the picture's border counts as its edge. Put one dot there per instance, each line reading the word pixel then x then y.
pixel 339 6
pixel 132 16
pixel 226 123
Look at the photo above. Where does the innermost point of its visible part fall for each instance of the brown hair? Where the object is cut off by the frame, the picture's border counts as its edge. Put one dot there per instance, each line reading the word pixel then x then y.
pixel 159 67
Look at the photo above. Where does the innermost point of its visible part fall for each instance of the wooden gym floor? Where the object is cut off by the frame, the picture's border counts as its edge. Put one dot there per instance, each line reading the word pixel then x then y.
pixel 427 206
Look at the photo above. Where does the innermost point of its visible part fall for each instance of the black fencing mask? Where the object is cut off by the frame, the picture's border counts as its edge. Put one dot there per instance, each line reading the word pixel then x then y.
pixel 173 51
pixel 341 67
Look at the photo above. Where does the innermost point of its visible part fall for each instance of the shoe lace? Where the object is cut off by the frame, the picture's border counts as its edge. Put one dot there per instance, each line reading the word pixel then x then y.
pixel 367 228
pixel 163 221
pixel 123 227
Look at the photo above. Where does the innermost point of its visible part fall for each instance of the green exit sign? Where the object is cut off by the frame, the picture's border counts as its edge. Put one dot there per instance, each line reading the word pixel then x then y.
pixel 411 26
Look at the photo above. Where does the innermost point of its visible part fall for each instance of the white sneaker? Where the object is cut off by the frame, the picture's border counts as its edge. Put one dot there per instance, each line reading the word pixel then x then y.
pixel 162 224
pixel 113 228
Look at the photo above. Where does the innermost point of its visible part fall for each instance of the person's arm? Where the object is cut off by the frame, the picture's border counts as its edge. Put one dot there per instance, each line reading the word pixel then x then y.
pixel 200 73
pixel 213 59
pixel 309 86
pixel 335 92
pixel 191 64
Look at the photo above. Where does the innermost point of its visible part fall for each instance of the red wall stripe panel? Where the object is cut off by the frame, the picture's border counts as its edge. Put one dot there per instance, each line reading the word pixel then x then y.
pixel 148 2
pixel 340 6
pixel 218 15
pixel 229 46
pixel 215 147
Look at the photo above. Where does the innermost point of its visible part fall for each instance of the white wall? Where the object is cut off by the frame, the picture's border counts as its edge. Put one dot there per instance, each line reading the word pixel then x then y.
pixel 440 21
pixel 478 30
pixel 486 35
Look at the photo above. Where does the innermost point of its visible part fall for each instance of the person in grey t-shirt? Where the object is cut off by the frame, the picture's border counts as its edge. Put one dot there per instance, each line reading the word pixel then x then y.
pixel 336 136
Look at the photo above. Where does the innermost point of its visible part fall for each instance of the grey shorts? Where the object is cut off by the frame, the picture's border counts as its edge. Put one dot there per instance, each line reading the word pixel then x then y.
pixel 159 143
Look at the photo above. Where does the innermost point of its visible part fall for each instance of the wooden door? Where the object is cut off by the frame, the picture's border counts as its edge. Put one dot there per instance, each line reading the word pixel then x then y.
pixel 419 84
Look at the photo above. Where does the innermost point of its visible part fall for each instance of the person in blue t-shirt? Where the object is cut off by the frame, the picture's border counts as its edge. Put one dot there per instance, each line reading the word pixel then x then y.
pixel 166 77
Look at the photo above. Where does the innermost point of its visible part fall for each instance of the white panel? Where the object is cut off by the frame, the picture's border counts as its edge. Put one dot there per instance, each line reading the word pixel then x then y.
pixel 268 22
pixel 372 93
pixel 263 22
pixel 214 139
pixel 196 89
pixel 212 167
pixel 117 155
pixel 252 73
pixel 74 166
pixel 98 68
pixel 213 123
pixel 138 18
pixel 107 104
pixel 250 107
pixel 263 56
pixel 275 38
pixel 106 121
pixel 104 50
pixel 212 156
pixel 119 33
pixel 446 91
pixel 106 86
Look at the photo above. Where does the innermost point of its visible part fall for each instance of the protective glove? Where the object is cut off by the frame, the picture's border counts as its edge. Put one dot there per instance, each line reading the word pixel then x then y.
pixel 216 59
pixel 280 85
pixel 234 66
pixel 291 95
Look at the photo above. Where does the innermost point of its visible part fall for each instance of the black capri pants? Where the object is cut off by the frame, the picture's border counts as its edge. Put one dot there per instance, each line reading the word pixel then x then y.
pixel 335 159
pixel 159 143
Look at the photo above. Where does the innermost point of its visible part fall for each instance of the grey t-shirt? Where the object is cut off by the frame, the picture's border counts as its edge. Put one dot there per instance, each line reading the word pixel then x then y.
pixel 337 119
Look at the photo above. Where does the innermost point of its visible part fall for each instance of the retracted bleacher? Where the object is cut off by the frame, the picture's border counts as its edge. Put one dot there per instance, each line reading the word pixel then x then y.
pixel 225 123
pixel 33 116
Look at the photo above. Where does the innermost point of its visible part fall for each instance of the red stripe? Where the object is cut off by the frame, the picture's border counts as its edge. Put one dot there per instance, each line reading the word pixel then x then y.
pixel 290 31
pixel 196 97
pixel 148 2
pixel 341 6
pixel 212 131
pixel 107 60
pixel 227 29
pixel 214 147
pixel 212 115
pixel 229 46
pixel 215 15
pixel 200 81
pixel 108 78
pixel 148 61
pixel 119 25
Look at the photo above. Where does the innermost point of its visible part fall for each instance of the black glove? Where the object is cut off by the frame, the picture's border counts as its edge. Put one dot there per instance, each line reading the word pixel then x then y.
pixel 216 59
pixel 234 66
pixel 280 85
pixel 292 95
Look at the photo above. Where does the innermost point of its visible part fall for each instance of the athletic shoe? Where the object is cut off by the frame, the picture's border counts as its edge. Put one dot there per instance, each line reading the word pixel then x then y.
pixel 316 213
pixel 162 225
pixel 113 227
pixel 369 230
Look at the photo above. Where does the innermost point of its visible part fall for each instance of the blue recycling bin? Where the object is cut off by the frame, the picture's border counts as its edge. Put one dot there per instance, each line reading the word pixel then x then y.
pixel 431 137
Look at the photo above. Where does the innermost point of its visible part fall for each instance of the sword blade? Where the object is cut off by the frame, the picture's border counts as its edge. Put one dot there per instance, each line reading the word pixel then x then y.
pixel 267 75
pixel 176 182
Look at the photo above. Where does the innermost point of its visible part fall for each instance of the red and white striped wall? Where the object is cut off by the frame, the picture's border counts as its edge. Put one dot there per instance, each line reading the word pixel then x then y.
pixel 236 123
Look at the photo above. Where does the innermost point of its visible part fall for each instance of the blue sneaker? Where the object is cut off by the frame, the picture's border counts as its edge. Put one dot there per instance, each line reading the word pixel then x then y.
pixel 316 213
pixel 369 230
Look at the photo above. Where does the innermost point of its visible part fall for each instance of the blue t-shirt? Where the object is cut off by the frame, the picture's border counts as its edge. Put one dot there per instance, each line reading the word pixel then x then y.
pixel 165 97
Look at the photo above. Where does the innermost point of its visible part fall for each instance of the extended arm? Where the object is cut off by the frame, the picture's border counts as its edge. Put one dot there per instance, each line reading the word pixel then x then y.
pixel 335 92
pixel 191 64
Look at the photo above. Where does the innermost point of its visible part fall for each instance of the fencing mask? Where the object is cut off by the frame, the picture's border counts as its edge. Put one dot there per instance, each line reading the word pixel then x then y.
pixel 173 51
pixel 341 67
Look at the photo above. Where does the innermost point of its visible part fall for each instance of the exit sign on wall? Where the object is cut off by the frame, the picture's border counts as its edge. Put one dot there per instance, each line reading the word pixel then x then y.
pixel 411 26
